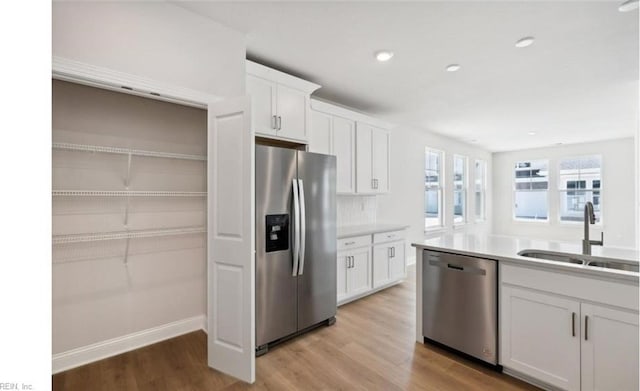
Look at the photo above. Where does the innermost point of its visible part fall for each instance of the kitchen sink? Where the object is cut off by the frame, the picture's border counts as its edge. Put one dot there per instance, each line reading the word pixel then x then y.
pixel 580 259
pixel 553 256
pixel 618 265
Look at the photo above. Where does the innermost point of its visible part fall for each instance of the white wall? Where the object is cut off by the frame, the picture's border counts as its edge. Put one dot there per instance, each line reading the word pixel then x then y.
pixel 405 203
pixel 154 40
pixel 618 193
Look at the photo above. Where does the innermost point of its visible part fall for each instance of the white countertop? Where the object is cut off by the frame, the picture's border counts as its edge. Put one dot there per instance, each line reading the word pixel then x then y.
pixel 348 231
pixel 506 248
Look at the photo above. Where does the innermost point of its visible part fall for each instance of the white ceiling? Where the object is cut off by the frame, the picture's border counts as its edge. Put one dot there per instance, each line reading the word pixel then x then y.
pixel 578 82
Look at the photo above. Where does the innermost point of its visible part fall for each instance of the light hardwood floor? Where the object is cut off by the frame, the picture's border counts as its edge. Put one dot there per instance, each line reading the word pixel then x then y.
pixel 371 347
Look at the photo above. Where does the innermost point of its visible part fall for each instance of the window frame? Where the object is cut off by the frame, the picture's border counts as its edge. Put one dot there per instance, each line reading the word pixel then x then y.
pixel 483 191
pixel 464 190
pixel 514 190
pixel 440 190
pixel 562 192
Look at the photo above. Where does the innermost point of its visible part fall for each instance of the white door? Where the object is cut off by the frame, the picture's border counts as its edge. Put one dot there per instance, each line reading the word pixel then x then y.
pixel 320 136
pixel 344 147
pixel 359 274
pixel 364 173
pixel 230 239
pixel 263 97
pixel 380 145
pixel 343 264
pixel 291 111
pixel 609 349
pixel 540 336
pixel 397 262
pixel 381 256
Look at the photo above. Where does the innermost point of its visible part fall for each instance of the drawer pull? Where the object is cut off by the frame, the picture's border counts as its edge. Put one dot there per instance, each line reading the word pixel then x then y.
pixel 349 243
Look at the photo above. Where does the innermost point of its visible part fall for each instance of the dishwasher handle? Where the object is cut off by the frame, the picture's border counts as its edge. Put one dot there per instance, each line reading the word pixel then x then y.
pixel 458 268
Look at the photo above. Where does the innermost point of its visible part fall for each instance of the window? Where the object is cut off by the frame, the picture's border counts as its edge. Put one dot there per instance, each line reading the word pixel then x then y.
pixel 480 185
pixel 531 185
pixel 433 188
pixel 459 189
pixel 579 182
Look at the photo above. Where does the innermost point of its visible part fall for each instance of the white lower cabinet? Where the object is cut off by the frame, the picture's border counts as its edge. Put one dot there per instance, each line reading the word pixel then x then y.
pixel 609 352
pixel 354 272
pixel 364 268
pixel 568 343
pixel 388 263
pixel 539 338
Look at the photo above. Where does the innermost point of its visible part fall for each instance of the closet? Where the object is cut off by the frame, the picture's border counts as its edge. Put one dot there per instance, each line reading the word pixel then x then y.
pixel 129 201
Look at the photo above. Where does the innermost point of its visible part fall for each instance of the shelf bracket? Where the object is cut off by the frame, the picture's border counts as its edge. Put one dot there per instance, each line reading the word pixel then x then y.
pixel 128 178
pixel 126 251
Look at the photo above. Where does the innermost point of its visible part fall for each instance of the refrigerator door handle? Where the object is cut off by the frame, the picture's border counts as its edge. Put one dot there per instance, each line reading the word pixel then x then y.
pixel 303 226
pixel 296 227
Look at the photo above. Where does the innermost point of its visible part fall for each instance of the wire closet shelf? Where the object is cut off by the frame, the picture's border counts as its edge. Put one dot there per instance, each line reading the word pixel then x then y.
pixel 126 151
pixel 77 238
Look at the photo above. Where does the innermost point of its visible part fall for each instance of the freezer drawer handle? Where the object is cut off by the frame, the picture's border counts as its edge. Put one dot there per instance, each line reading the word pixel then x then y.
pixel 450 266
pixel 296 227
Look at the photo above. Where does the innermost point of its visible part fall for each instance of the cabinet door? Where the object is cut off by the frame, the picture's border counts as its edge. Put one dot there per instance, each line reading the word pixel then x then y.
pixel 364 168
pixel 609 349
pixel 291 108
pixel 320 136
pixel 359 275
pixel 381 256
pixel 344 139
pixel 263 94
pixel 343 263
pixel 540 336
pixel 380 148
pixel 397 262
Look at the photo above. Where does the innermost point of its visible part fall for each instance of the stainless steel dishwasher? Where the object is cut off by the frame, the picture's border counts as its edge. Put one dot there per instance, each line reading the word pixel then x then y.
pixel 460 303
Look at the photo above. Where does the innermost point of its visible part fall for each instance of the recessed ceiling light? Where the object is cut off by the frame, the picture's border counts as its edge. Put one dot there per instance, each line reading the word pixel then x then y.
pixel 524 42
pixel 384 55
pixel 531 133
pixel 628 5
pixel 452 67
pixel 473 141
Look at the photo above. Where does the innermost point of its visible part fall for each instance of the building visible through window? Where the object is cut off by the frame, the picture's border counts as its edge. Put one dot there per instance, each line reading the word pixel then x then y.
pixel 579 181
pixel 459 189
pixel 480 185
pixel 433 188
pixel 530 190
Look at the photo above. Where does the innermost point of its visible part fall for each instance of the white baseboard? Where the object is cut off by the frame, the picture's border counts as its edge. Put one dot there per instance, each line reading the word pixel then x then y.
pixel 98 351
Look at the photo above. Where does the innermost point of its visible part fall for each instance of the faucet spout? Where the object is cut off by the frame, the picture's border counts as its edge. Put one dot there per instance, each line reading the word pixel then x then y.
pixel 590 218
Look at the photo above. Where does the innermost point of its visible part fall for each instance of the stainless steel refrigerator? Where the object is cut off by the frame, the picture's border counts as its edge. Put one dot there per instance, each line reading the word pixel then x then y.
pixel 295 243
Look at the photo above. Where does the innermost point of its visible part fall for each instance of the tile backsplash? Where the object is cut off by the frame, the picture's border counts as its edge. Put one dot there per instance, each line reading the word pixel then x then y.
pixel 356 210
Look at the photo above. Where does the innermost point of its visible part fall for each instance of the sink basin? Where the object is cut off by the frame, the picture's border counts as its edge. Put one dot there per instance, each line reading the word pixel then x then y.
pixel 580 259
pixel 618 265
pixel 553 256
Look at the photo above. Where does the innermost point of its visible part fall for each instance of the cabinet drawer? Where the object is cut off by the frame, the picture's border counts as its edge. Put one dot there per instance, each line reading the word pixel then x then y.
pixel 354 242
pixel 388 236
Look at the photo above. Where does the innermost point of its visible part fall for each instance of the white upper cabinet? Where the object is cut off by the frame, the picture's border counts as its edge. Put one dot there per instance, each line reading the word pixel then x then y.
pixel 280 103
pixel 372 151
pixel 344 145
pixel 362 155
pixel 320 137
